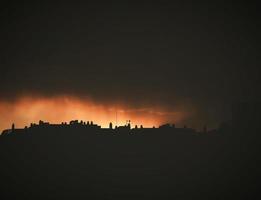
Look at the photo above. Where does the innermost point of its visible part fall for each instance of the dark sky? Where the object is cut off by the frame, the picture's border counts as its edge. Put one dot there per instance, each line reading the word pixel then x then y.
pixel 203 56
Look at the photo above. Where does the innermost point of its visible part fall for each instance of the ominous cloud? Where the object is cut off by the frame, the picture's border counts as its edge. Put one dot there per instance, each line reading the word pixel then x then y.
pixel 194 58
pixel 65 108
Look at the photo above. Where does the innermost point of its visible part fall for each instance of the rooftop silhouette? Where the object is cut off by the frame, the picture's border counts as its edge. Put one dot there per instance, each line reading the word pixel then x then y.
pixel 90 125
pixel 80 159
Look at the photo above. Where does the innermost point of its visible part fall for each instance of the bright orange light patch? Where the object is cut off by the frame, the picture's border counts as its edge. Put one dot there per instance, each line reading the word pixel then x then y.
pixel 25 110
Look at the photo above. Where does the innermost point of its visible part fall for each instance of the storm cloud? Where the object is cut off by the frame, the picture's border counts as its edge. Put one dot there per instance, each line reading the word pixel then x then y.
pixel 194 58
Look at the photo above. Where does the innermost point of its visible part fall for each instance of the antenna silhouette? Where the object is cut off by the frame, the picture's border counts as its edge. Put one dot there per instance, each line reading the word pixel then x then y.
pixel 116 115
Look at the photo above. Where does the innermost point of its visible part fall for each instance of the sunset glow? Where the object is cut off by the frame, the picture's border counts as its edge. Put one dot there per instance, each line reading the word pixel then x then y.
pixel 26 110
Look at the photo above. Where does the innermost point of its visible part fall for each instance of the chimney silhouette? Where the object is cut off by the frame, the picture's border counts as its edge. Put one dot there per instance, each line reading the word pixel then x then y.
pixel 13 127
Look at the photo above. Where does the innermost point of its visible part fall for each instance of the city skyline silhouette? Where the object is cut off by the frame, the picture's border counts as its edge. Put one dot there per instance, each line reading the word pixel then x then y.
pixel 81 159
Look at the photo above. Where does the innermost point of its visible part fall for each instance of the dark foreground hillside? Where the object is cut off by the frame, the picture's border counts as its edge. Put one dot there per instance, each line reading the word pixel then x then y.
pixel 77 164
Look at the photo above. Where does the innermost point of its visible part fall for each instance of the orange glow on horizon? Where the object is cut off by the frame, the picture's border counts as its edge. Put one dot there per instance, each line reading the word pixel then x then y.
pixel 26 110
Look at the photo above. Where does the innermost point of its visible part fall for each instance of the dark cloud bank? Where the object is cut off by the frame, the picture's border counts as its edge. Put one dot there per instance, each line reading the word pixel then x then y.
pixel 199 56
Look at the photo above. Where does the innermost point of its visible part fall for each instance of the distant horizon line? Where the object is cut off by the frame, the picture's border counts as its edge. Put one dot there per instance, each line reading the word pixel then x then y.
pixel 92 124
